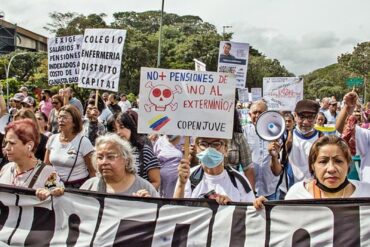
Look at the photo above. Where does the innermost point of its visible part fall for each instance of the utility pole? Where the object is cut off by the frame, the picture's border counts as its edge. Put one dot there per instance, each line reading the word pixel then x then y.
pixel 160 37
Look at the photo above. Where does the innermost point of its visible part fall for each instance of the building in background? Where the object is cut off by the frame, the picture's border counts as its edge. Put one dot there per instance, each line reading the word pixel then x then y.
pixel 13 37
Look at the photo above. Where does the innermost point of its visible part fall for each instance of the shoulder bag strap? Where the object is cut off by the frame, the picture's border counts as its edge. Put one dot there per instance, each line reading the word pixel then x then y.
pixel 78 150
pixel 37 174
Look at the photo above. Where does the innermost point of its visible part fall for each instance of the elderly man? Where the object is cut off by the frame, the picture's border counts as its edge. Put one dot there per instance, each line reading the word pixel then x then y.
pixel 303 136
pixel 265 180
pixel 212 178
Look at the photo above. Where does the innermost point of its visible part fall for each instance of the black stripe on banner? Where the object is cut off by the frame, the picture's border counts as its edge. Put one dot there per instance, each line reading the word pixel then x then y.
pixel 4 214
pixel 74 222
pixel 98 221
pixel 238 234
pixel 346 223
pixel 180 236
pixel 134 233
pixel 18 220
pixel 301 238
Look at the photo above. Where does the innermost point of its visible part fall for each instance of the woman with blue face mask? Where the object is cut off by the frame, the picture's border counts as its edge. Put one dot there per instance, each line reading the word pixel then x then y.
pixel 212 178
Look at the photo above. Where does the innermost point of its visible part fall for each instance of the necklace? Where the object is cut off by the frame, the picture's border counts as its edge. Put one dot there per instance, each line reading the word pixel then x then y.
pixel 16 175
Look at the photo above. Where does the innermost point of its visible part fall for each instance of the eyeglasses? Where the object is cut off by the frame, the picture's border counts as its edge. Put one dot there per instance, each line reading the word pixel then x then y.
pixel 63 117
pixel 55 103
pixel 309 118
pixel 215 144
pixel 109 157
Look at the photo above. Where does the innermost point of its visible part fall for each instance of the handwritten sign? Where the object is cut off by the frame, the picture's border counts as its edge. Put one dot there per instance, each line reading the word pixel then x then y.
pixel 184 102
pixel 256 93
pixel 282 93
pixel 64 59
pixel 101 56
pixel 233 58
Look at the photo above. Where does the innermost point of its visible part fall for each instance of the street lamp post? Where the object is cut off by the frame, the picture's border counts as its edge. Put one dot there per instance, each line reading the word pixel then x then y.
pixel 7 75
pixel 160 37
pixel 224 28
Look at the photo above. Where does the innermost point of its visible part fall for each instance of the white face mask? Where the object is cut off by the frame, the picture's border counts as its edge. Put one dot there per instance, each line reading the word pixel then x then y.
pixel 304 132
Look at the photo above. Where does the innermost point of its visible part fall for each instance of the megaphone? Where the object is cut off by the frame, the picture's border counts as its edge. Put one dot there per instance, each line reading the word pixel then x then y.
pixel 270 125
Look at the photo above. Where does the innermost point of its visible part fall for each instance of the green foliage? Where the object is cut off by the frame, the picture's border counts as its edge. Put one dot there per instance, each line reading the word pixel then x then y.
pixel 358 64
pixel 183 39
pixel 260 66
pixel 131 97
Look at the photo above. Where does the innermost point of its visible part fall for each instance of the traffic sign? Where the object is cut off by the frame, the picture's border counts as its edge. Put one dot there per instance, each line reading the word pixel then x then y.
pixel 354 82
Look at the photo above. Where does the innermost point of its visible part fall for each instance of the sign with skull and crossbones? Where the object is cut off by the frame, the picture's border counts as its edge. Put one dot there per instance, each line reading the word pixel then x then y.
pixel 161 97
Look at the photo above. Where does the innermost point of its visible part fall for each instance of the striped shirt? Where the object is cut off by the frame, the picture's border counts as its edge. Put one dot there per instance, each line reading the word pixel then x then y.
pixel 149 161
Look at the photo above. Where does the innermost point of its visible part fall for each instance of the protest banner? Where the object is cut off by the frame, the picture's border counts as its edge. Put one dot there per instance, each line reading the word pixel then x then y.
pixel 101 57
pixel 187 103
pixel 64 59
pixel 243 95
pixel 199 66
pixel 256 93
pixel 282 93
pixel 84 218
pixel 233 58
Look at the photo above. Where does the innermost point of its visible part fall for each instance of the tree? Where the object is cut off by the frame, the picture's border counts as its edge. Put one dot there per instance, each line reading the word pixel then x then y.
pixel 357 62
pixel 261 66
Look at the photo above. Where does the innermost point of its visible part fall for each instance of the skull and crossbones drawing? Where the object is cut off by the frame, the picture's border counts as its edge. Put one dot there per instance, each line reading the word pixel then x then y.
pixel 161 97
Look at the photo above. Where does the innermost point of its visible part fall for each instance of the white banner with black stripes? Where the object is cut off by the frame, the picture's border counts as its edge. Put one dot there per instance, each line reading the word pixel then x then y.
pixel 89 219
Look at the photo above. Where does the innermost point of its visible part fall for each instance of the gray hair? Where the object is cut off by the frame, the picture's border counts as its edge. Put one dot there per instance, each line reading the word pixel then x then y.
pixel 123 146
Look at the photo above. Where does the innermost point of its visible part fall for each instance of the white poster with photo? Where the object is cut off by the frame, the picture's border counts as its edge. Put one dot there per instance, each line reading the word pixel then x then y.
pixel 256 93
pixel 185 102
pixel 282 93
pixel 64 59
pixel 101 57
pixel 233 58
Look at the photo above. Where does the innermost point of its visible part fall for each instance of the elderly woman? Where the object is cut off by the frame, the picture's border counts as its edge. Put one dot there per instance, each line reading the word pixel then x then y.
pixel 114 161
pixel 24 169
pixel 69 151
pixel 212 178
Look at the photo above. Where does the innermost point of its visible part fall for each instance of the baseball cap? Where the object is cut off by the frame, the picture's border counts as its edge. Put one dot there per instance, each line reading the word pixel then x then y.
pixel 18 97
pixel 308 106
pixel 23 88
pixel 29 101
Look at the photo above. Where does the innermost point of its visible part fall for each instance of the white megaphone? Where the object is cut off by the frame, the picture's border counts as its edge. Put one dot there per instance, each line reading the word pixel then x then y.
pixel 270 125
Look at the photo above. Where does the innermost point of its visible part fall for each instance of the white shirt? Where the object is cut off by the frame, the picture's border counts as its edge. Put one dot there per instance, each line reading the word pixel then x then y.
pixel 222 185
pixel 298 156
pixel 266 181
pixel 125 105
pixel 105 115
pixel 62 156
pixel 363 149
pixel 298 191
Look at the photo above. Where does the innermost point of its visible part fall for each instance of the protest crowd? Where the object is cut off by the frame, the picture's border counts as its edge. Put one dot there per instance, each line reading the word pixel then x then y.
pixel 48 145
pixel 191 137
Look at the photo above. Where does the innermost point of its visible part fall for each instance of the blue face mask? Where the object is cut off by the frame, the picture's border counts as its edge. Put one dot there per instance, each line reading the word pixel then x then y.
pixel 210 157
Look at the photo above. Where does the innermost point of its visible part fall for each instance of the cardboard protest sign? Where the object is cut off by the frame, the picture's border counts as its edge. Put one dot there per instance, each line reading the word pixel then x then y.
pixel 64 59
pixel 188 103
pixel 243 95
pixel 282 93
pixel 101 57
pixel 256 93
pixel 199 66
pixel 233 58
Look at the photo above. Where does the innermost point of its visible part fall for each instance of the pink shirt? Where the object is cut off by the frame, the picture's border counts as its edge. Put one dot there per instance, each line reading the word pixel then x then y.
pixel 46 106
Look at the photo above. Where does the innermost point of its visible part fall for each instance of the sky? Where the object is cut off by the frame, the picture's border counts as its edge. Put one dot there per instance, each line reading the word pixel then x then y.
pixel 304 35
